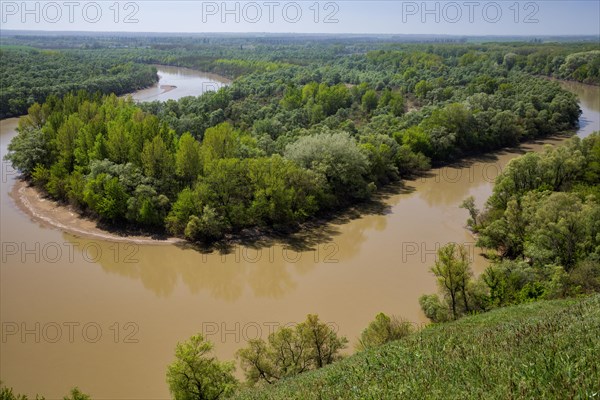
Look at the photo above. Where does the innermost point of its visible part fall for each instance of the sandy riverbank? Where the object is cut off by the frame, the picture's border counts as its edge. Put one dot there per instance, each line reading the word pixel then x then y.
pixel 167 88
pixel 51 213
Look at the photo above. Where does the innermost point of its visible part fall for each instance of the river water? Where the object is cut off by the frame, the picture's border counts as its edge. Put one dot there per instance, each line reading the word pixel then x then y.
pixel 176 82
pixel 106 316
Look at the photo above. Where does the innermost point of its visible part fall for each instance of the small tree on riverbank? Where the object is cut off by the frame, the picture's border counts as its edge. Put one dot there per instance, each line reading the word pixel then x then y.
pixel 469 205
pixel 453 271
pixel 195 375
pixel 291 351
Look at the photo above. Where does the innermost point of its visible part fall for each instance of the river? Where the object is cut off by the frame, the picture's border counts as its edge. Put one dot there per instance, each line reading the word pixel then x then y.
pixel 176 82
pixel 106 315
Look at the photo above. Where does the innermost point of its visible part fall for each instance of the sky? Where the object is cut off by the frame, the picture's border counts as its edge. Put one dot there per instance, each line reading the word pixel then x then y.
pixel 555 17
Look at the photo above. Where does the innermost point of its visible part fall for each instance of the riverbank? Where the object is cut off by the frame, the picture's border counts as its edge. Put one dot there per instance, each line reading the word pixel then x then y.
pixel 54 214
pixel 499 345
pixel 173 83
pixel 51 213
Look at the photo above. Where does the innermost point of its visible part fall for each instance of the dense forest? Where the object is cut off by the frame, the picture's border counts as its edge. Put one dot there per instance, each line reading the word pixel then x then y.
pixel 236 55
pixel 119 64
pixel 29 75
pixel 281 144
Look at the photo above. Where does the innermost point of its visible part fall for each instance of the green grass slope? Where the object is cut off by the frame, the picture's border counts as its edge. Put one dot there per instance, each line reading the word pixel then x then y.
pixel 542 350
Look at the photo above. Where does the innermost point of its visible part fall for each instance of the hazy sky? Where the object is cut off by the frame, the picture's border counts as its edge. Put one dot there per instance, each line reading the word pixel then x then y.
pixel 401 17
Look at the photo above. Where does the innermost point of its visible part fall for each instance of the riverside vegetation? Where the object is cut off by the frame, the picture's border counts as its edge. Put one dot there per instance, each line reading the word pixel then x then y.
pixel 494 355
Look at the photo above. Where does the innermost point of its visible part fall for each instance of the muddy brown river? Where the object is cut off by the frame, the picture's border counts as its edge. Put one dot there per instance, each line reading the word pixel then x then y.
pixel 105 316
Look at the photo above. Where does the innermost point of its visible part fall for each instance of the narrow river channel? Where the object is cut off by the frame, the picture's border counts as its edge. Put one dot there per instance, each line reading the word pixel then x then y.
pixel 106 315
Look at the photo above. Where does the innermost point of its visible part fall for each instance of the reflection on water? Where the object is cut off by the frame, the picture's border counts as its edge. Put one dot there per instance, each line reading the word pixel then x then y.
pixel 266 269
pixel 373 259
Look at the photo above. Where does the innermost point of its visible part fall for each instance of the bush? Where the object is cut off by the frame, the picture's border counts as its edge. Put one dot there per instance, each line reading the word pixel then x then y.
pixel 382 330
pixel 196 375
pixel 310 345
pixel 209 226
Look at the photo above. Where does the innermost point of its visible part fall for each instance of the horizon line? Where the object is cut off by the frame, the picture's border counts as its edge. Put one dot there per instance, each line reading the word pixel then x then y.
pixel 40 31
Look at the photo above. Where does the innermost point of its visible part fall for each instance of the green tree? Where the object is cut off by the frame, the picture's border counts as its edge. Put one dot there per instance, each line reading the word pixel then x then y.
pixel 220 141
pixel 187 204
pixel 292 98
pixel 561 164
pixel 422 88
pixel 226 187
pixel 453 272
pixel 332 98
pixel 323 342
pixel 157 160
pixel 27 150
pixel 117 142
pixel 208 226
pixel 510 59
pixel 558 227
pixel 196 375
pixel 382 153
pixel 433 308
pixel 469 205
pixel 106 196
pixel 285 354
pixel 77 394
pixel 416 138
pixel 283 193
pixel 188 159
pixel 369 101
pixel 338 158
pixel 147 207
pixel 396 104
pixel 382 330
pixel 291 351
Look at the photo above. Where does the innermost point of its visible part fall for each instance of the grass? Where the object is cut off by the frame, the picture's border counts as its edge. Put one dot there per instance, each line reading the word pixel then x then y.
pixel 541 350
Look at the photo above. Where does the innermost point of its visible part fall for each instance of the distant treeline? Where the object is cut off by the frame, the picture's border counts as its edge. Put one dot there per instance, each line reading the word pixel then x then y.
pixel 566 60
pixel 29 75
pixel 112 64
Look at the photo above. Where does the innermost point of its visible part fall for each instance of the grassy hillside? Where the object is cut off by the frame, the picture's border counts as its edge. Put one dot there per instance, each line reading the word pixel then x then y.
pixel 546 349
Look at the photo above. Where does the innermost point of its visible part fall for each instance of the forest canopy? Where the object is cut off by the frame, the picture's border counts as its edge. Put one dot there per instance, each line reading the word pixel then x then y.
pixel 29 75
pixel 288 140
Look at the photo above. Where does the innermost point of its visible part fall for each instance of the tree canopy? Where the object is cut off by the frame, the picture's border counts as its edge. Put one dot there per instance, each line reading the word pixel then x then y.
pixel 292 138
